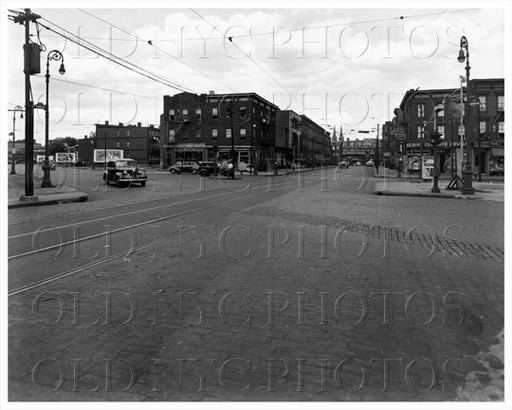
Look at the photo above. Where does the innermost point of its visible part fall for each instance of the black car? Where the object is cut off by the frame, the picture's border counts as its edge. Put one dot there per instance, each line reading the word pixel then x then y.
pixel 206 168
pixel 181 167
pixel 124 171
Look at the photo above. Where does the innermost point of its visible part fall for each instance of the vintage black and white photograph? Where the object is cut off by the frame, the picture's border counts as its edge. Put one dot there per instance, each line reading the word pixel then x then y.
pixel 271 202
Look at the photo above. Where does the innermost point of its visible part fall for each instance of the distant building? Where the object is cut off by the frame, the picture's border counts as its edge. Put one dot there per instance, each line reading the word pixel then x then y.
pixel 198 127
pixel 19 146
pixel 487 123
pixel 137 142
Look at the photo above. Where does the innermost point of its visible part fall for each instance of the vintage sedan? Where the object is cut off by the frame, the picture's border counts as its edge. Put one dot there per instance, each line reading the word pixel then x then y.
pixel 181 167
pixel 124 172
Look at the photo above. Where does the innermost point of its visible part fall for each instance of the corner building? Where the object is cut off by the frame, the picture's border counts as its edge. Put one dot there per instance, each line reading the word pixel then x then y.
pixel 205 127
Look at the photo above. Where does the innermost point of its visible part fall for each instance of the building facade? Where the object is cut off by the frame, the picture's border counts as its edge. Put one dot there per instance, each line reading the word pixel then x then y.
pixel 209 126
pixel 200 127
pixel 423 111
pixel 137 142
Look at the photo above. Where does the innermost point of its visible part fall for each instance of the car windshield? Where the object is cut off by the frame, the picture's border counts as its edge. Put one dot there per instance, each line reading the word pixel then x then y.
pixel 126 164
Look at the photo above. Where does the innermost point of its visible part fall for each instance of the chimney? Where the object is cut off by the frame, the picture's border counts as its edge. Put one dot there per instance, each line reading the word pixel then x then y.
pixel 211 92
pixel 139 124
pixel 121 124
pixel 106 122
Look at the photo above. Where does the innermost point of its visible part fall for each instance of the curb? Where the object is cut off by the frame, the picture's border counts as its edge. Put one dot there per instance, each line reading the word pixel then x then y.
pixel 425 195
pixel 49 200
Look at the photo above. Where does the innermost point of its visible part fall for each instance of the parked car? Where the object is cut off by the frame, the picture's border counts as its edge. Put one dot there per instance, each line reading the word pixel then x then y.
pixel 370 163
pixel 181 167
pixel 243 167
pixel 206 168
pixel 124 171
pixel 357 163
pixel 343 164
pixel 81 163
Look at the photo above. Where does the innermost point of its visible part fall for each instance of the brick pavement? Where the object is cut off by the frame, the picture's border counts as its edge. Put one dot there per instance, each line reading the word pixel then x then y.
pixel 323 319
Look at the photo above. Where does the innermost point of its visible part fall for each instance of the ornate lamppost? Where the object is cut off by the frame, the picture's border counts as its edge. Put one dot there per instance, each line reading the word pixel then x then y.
pixel 467 188
pixel 57 56
pixel 16 108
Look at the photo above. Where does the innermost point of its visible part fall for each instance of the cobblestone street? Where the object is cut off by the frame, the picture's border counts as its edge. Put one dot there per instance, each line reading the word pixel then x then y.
pixel 321 293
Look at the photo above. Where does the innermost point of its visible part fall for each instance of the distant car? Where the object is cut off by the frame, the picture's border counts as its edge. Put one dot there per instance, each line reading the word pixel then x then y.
pixel 181 167
pixel 123 172
pixel 207 168
pixel 343 164
pixel 81 163
pixel 370 163
pixel 357 163
pixel 243 167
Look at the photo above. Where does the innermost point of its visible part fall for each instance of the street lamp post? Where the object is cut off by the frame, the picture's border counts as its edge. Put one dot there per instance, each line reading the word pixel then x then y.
pixel 57 56
pixel 435 140
pixel 475 103
pixel 467 188
pixel 251 170
pixel 13 164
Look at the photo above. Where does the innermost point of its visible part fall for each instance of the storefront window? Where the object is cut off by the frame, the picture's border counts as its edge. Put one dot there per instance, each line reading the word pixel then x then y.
pixel 483 103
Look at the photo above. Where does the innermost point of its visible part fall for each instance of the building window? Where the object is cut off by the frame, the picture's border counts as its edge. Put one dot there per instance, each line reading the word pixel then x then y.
pixel 118 144
pixel 421 110
pixel 214 133
pixel 172 115
pixel 440 113
pixel 440 129
pixel 127 133
pixel 171 135
pixel 483 127
pixel 501 102
pixel 421 131
pixel 118 133
pixel 127 144
pixel 215 113
pixel 243 113
pixel 483 103
pixel 228 133
pixel 501 127
pixel 198 114
pixel 461 130
pixel 185 112
pixel 242 133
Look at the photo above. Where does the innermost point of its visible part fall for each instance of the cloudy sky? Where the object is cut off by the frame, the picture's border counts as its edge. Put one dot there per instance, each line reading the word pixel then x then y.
pixel 337 64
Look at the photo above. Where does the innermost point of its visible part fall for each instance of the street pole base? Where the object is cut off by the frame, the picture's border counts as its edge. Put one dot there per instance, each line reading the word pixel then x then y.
pixel 13 172
pixel 435 190
pixel 47 182
pixel 467 188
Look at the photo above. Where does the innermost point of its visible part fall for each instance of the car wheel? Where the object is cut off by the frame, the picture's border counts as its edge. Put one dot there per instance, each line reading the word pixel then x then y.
pixel 143 184
pixel 203 173
pixel 173 171
pixel 118 182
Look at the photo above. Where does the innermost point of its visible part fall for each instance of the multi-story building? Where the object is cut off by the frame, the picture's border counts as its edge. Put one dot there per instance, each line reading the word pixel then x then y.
pixel 209 126
pixel 19 146
pixel 137 142
pixel 423 111
pixel 360 149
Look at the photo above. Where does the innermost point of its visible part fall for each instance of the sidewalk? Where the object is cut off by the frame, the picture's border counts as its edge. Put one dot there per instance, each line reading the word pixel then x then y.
pixel 404 186
pixel 42 196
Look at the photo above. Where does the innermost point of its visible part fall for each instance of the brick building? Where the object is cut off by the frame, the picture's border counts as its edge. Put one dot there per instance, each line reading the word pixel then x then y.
pixel 421 109
pixel 137 142
pixel 198 127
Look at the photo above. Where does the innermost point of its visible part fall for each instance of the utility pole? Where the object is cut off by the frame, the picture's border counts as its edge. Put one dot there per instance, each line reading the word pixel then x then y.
pixel 31 66
pixel 377 151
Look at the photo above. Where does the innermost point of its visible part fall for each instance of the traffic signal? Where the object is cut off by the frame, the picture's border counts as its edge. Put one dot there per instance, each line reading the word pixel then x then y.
pixel 435 138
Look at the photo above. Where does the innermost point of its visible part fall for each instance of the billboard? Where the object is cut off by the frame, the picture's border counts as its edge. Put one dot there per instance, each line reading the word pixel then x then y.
pixel 112 155
pixel 61 157
pixel 40 158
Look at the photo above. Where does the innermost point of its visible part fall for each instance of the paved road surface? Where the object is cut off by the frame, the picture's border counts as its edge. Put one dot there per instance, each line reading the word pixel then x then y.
pixel 286 290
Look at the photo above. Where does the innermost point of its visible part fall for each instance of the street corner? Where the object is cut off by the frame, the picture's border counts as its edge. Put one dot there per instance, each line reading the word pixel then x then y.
pixel 48 199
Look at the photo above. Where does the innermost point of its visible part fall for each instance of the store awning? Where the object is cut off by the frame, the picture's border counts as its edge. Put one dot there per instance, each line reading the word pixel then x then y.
pixel 498 152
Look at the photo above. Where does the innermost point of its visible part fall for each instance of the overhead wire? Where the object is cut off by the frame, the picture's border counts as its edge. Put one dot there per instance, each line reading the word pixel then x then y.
pixel 113 58
pixel 149 42
pixel 248 56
